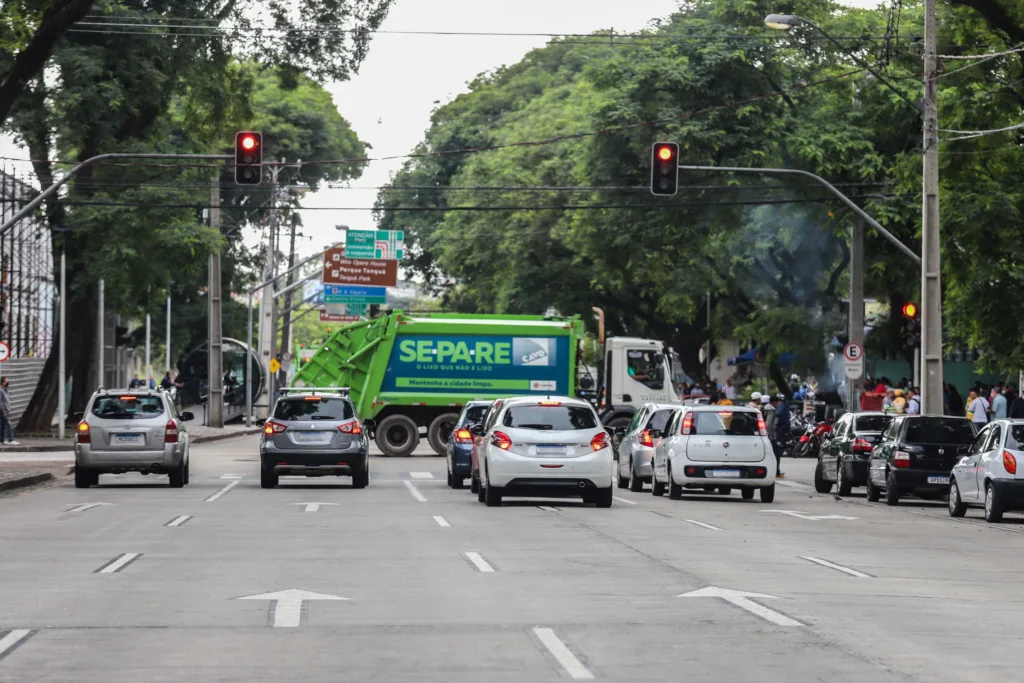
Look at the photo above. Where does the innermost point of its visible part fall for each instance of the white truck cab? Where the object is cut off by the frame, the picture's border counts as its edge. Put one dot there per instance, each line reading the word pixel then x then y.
pixel 633 372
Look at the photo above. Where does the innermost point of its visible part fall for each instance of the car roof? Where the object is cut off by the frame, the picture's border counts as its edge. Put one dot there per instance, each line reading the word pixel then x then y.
pixel 871 413
pixel 128 392
pixel 533 400
pixel 302 397
pixel 662 406
pixel 717 408
pixel 475 404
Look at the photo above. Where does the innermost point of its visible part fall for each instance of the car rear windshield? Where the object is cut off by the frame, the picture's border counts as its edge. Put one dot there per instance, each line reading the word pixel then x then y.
pixel 939 430
pixel 725 423
pixel 475 414
pixel 555 418
pixel 873 423
pixel 128 407
pixel 313 408
pixel 1015 439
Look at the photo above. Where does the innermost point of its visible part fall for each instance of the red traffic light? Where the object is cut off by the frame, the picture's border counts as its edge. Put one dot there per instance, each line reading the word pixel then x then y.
pixel 910 310
pixel 664 168
pixel 248 142
pixel 665 153
pixel 248 157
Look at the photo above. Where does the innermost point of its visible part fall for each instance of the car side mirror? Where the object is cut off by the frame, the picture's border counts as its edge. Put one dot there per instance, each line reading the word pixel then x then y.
pixel 477 430
pixel 618 431
pixel 962 450
pixel 77 417
pixel 654 433
pixel 187 416
pixel 260 421
pixel 370 424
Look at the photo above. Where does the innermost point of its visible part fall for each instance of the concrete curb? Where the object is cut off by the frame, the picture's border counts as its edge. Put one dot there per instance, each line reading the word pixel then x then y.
pixel 28 480
pixel 71 446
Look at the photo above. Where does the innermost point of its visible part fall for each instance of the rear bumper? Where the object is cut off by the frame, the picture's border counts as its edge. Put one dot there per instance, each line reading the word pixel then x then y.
pixel 690 474
pixel 314 463
pixel 552 488
pixel 917 480
pixel 169 458
pixel 856 472
pixel 461 460
pixel 1011 492
pixel 597 468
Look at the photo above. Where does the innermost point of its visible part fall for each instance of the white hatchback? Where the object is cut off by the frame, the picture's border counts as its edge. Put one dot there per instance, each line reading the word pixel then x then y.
pixel 715 447
pixel 991 473
pixel 546 447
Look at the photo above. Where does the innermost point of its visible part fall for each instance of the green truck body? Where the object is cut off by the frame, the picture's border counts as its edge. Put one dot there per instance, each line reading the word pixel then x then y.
pixel 412 372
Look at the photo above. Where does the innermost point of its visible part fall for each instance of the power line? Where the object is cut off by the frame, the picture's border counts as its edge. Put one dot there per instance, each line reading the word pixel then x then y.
pixel 968 134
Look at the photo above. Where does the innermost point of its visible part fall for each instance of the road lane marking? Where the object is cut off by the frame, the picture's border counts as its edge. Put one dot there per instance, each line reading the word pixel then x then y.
pixel 178 521
pixel 223 491
pixel 792 484
pixel 87 506
pixel 231 476
pixel 706 526
pixel 312 507
pixel 13 638
pixel 287 605
pixel 625 500
pixel 422 475
pixel 415 492
pixel 118 563
pixel 804 515
pixel 479 562
pixel 742 600
pixel 441 521
pixel 548 508
pixel 837 567
pixel 562 654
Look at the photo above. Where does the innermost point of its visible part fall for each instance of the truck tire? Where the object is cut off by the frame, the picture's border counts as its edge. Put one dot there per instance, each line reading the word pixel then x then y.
pixel 397 436
pixel 440 429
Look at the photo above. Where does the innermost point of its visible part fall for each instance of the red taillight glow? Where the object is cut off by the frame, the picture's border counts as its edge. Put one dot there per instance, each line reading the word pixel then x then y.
pixel 860 446
pixel 463 436
pixel 550 403
pixel 313 398
pixel 599 441
pixel 901 459
pixel 351 428
pixel 645 438
pixel 128 398
pixel 687 424
pixel 761 426
pixel 272 427
pixel 1009 462
pixel 501 440
pixel 84 435
pixel 171 432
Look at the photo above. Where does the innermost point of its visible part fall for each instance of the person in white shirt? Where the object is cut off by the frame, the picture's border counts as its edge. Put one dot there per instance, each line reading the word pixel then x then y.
pixel 730 390
pixel 976 408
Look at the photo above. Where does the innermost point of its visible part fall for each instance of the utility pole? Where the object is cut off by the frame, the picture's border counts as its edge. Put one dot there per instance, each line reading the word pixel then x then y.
pixel 215 363
pixel 167 365
pixel 856 317
pixel 101 328
pixel 931 283
pixel 268 329
pixel 286 333
pixel 61 371
pixel 147 370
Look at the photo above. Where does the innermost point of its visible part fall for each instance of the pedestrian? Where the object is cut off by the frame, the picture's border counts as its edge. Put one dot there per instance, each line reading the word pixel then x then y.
pixel 730 390
pixel 771 424
pixel 755 400
pixel 887 402
pixel 899 404
pixel 166 383
pixel 976 410
pixel 999 406
pixel 914 401
pixel 1016 408
pixel 956 401
pixel 135 383
pixel 6 428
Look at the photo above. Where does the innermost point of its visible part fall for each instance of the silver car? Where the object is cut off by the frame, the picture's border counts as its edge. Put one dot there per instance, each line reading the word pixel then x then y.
pixel 131 431
pixel 636 448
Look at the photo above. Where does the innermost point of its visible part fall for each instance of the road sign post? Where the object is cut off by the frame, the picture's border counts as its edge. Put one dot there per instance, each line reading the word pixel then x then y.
pixel 853 368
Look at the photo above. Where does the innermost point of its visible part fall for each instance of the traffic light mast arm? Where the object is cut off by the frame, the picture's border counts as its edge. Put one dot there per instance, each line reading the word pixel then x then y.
pixel 28 208
pixel 821 181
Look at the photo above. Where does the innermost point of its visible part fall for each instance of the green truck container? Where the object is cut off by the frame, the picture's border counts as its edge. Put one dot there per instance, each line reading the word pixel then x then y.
pixel 412 372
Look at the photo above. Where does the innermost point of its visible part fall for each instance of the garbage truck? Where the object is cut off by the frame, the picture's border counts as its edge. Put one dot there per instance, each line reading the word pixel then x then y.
pixel 411 373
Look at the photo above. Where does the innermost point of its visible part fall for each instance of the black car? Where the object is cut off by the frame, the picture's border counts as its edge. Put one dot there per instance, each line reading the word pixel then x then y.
pixel 846 450
pixel 459 450
pixel 916 455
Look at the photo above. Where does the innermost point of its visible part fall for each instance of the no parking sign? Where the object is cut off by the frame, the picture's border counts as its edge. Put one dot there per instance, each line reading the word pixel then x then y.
pixel 853 360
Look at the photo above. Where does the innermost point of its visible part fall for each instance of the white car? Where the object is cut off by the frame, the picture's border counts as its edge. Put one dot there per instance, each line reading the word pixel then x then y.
pixel 991 473
pixel 546 447
pixel 715 447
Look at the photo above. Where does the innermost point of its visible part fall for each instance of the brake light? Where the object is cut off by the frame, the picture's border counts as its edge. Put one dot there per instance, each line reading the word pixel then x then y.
pixel 1009 462
pixel 128 398
pixel 724 413
pixel 901 459
pixel 645 438
pixel 312 398
pixel 687 424
pixel 550 403
pixel 860 446
pixel 171 432
pixel 351 428
pixel 599 441
pixel 463 436
pixel 84 435
pixel 804 438
pixel 272 427
pixel 501 440
pixel 761 426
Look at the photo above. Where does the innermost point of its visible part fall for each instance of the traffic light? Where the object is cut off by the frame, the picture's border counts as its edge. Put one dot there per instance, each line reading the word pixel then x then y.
pixel 665 168
pixel 911 331
pixel 248 158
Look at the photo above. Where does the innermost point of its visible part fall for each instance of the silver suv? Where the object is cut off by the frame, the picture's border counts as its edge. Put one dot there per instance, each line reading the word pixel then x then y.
pixel 131 431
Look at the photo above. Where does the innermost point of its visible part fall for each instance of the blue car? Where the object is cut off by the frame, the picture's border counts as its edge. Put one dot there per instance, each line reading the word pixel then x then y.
pixel 460 443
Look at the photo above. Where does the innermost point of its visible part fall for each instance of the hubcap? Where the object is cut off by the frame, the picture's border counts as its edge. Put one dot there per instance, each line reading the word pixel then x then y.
pixel 954 493
pixel 839 476
pixel 988 501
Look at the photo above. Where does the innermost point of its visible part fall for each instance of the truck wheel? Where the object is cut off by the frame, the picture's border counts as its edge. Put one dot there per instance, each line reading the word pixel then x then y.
pixel 397 435
pixel 439 431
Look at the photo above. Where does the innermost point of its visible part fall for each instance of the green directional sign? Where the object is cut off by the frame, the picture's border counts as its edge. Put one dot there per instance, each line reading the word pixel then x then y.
pixel 375 244
pixel 354 294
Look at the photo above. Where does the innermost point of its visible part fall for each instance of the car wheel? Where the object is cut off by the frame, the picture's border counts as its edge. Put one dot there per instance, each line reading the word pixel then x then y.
pixel 747 493
pixel 268 478
pixel 768 494
pixel 993 504
pixel 83 478
pixel 957 508
pixel 621 481
pixel 177 476
pixel 892 491
pixel 480 491
pixel 842 483
pixel 458 482
pixel 397 436
pixel 675 491
pixel 821 485
pixel 492 496
pixel 186 472
pixel 725 490
pixel 636 484
pixel 361 478
pixel 603 497
pixel 440 430
pixel 657 488
pixel 449 478
pixel 871 491
pixel 474 483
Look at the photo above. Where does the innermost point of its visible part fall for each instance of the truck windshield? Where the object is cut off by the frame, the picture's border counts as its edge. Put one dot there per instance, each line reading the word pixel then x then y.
pixel 305 410
pixel 646 366
pixel 555 418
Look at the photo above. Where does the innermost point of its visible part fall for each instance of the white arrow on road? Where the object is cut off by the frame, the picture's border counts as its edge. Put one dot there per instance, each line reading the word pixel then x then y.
pixel 804 515
pixel 742 600
pixel 87 506
pixel 288 604
pixel 312 507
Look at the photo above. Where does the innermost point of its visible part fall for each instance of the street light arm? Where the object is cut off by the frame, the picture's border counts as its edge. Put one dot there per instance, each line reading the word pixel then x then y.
pixel 821 181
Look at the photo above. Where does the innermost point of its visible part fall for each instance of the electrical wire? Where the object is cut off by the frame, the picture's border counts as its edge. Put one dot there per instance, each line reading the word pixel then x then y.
pixel 986 56
pixel 968 134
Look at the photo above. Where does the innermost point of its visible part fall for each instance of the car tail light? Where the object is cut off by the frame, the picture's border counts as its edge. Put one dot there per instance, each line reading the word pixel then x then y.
pixel 599 441
pixel 128 398
pixel 860 446
pixel 901 459
pixel 272 427
pixel 760 472
pixel 84 435
pixel 645 438
pixel 352 427
pixel 171 432
pixel 687 424
pixel 463 436
pixel 501 440
pixel 316 399
pixel 1009 462
pixel 762 427
pixel 803 439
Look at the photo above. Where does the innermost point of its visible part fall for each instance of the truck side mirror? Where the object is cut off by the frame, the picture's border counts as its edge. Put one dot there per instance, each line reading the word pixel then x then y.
pixel 586 383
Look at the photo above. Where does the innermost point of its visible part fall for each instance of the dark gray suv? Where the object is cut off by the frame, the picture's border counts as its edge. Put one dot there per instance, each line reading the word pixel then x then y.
pixel 314 433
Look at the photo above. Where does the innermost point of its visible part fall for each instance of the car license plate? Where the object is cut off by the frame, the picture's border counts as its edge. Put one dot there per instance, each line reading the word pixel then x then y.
pixel 550 450
pixel 938 480
pixel 127 438
pixel 309 437
pixel 725 473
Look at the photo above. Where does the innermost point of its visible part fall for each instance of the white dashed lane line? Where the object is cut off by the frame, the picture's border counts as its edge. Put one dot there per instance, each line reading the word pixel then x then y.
pixel 568 661
pixel 414 492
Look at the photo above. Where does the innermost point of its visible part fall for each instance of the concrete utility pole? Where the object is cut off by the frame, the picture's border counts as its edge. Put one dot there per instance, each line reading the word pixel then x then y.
pixel 147 370
pixel 215 366
pixel 931 282
pixel 101 328
pixel 61 371
pixel 267 336
pixel 167 365
pixel 856 327
pixel 286 332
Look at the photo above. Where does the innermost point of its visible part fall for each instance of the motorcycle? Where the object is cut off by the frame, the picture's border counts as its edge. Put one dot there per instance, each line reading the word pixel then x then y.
pixel 810 442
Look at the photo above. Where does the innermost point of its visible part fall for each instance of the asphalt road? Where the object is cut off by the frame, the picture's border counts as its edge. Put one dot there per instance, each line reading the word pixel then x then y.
pixel 151 584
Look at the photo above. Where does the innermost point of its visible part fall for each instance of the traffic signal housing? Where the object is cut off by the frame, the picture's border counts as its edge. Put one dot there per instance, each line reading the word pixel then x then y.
pixel 911 330
pixel 248 158
pixel 665 169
